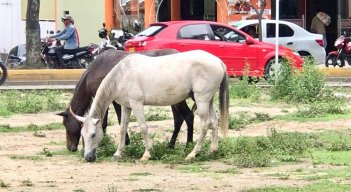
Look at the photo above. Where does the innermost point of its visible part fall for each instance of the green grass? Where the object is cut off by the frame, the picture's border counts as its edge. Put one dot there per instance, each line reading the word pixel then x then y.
pixel 324 186
pixel 26 157
pixel 297 117
pixel 331 157
pixel 31 127
pixel 27 183
pixel 141 174
pixel 3 184
pixel 33 101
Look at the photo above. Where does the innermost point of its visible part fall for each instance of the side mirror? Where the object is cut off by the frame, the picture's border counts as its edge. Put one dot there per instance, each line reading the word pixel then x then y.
pixel 12 56
pixel 249 40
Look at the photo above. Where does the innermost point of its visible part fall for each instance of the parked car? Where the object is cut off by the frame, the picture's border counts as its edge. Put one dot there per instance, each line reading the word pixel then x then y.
pixel 16 56
pixel 236 48
pixel 290 35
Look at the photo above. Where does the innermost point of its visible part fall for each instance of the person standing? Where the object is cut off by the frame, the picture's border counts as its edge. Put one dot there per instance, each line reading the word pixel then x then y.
pixel 319 22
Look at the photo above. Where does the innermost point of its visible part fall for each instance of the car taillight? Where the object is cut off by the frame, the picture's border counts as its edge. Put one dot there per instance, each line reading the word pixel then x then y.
pixel 320 42
pixel 136 44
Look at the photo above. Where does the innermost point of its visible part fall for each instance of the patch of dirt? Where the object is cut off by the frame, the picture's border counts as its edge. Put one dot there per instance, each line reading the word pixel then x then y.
pixel 66 173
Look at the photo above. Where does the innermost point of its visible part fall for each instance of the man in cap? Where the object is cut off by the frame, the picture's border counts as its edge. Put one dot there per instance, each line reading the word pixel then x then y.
pixel 69 34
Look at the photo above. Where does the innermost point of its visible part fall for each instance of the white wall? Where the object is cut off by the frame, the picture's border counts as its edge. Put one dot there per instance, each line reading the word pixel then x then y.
pixel 12 27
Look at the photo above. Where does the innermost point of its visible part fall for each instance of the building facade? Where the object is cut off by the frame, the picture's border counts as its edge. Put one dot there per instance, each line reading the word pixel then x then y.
pixel 90 14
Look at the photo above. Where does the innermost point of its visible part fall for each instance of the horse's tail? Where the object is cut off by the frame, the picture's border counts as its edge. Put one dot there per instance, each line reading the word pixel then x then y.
pixel 224 103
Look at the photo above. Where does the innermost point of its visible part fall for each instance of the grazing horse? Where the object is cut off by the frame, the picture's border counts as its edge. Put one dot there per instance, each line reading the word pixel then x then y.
pixel 139 80
pixel 86 89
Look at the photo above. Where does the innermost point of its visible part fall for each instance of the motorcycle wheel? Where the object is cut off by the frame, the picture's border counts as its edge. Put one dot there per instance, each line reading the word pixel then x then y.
pixel 332 61
pixel 3 73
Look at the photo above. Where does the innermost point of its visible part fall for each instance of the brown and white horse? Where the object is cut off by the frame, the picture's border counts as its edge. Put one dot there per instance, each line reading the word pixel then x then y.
pixel 139 80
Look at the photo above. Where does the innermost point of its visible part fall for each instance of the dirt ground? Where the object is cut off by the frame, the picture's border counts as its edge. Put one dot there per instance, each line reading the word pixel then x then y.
pixel 67 173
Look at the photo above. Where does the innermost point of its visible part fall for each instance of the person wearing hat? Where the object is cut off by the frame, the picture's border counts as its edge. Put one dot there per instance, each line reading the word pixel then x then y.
pixel 69 34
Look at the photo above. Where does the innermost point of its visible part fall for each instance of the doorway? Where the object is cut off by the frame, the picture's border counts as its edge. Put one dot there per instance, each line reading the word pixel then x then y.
pixel 329 7
pixel 198 10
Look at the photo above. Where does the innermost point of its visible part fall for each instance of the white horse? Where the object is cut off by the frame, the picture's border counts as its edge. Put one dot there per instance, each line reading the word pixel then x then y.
pixel 139 80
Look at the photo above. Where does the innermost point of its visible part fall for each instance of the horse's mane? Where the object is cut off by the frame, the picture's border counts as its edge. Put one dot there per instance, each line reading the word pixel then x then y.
pixel 105 93
pixel 77 88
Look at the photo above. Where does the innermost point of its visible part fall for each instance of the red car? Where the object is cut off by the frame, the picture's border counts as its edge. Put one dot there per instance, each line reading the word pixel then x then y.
pixel 236 48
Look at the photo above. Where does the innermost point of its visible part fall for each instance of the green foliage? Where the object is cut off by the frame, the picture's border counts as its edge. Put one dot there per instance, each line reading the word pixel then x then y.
pixel 3 184
pixel 324 186
pixel 27 183
pixel 153 114
pixel 245 88
pixel 282 82
pixel 31 127
pixel 30 101
pixel 306 86
pixel 239 120
pixel 107 148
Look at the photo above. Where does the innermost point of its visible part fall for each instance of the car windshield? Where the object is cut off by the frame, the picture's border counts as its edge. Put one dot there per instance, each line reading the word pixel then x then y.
pixel 151 31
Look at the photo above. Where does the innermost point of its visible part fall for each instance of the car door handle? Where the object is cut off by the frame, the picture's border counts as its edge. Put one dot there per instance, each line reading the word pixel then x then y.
pixel 223 46
pixel 290 43
pixel 184 44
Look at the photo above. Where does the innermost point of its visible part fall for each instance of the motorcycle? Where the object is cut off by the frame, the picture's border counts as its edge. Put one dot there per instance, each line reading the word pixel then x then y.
pixel 3 72
pixel 105 43
pixel 77 58
pixel 342 54
pixel 115 41
pixel 120 36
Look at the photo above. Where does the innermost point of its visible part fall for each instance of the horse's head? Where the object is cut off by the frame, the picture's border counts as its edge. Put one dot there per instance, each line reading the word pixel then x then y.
pixel 92 134
pixel 73 128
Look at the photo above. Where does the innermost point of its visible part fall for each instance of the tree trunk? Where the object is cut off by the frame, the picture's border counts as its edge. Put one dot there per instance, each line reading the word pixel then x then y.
pixel 33 44
pixel 259 12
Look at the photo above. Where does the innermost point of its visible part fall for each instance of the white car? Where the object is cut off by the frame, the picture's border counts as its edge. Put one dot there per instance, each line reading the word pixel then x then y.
pixel 290 35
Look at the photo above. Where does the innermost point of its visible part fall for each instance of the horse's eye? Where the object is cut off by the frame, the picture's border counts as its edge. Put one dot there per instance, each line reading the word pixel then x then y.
pixel 93 135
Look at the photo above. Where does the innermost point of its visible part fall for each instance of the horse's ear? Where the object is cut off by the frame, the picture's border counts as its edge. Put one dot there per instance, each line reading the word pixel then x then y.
pixel 96 121
pixel 63 114
pixel 79 118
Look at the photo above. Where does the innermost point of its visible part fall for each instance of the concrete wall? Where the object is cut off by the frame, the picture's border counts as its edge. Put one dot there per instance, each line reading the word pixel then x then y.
pixel 88 16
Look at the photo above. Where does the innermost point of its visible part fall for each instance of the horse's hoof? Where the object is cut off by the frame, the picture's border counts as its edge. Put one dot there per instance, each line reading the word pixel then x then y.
pixel 116 158
pixel 144 159
pixel 190 157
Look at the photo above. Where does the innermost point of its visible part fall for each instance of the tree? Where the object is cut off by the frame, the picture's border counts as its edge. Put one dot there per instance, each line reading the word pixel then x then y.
pixel 33 44
pixel 259 9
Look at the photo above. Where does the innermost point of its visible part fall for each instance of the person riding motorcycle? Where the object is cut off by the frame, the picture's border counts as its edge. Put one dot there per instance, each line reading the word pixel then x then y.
pixel 70 35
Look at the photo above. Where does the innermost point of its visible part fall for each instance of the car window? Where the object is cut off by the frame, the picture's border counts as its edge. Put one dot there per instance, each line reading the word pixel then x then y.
pixel 151 31
pixel 198 31
pixel 284 30
pixel 226 34
pixel 252 30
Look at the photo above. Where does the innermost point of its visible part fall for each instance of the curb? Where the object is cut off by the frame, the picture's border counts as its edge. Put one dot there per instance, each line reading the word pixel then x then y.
pixel 336 72
pixel 44 74
pixel 75 74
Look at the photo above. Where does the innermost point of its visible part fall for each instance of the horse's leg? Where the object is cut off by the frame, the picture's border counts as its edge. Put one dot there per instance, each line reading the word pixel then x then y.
pixel 203 111
pixel 119 115
pixel 182 112
pixel 214 126
pixel 138 109
pixel 178 121
pixel 123 131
